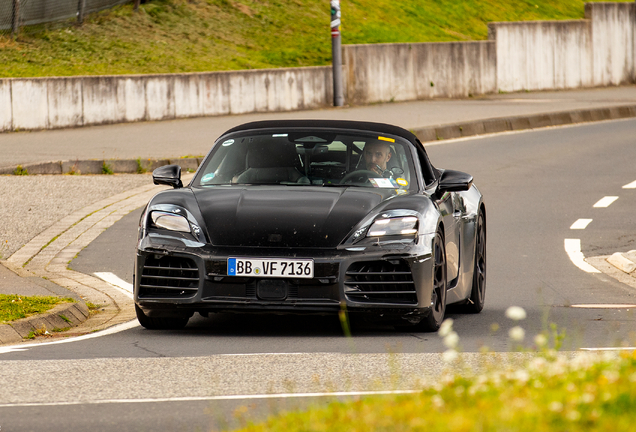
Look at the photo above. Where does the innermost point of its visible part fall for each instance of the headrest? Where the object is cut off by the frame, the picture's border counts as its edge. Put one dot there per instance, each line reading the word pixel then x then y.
pixel 272 155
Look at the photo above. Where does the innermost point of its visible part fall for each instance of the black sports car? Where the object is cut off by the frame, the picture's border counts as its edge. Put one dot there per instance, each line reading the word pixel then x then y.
pixel 312 216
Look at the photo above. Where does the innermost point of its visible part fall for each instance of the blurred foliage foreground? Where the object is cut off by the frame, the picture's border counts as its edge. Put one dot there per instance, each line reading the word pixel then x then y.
pixel 553 391
pixel 170 36
pixel 582 391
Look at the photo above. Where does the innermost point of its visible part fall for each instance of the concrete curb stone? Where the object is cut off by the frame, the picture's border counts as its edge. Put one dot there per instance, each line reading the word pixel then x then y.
pixel 117 166
pixel 16 331
pixel 517 123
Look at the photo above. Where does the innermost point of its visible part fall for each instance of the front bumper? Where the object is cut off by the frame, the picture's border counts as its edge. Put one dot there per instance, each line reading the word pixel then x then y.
pixel 383 280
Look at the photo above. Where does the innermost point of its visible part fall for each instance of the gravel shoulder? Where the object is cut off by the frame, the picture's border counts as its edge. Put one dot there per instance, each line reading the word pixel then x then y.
pixel 31 204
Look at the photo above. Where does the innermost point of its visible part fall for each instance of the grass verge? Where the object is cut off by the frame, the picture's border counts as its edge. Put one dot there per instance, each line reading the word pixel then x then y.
pixel 171 36
pixel 14 307
pixel 552 393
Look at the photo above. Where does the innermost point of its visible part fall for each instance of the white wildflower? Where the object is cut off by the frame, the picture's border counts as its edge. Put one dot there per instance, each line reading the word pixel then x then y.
pixel 555 406
pixel 609 356
pixel 573 415
pixel 451 340
pixel 571 387
pixel 540 340
pixel 449 356
pixel 612 376
pixel 587 398
pixel 437 400
pixel 516 313
pixel 522 376
pixel 537 364
pixel 517 333
pixel 583 361
pixel 632 377
pixel 446 328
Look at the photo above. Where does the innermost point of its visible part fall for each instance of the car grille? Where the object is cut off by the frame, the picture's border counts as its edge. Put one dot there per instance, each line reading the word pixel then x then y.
pixel 169 277
pixel 380 282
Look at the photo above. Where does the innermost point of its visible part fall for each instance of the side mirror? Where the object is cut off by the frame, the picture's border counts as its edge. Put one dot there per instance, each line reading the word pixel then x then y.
pixel 454 181
pixel 168 175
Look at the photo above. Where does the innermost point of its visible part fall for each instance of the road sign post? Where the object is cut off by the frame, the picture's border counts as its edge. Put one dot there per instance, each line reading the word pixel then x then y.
pixel 336 54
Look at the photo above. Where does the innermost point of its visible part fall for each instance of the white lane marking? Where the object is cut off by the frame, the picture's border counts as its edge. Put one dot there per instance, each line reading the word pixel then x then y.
pixel 605 202
pixel 631 185
pixel 604 306
pixel 581 224
pixel 213 398
pixel 113 279
pixel 111 330
pixel 610 349
pixel 573 249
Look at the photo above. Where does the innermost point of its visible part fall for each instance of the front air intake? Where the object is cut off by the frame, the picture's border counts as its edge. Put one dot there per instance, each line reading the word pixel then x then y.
pixel 173 277
pixel 380 282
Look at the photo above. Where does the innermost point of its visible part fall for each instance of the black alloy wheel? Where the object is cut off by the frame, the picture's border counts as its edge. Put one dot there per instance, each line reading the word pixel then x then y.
pixel 440 283
pixel 155 323
pixel 478 293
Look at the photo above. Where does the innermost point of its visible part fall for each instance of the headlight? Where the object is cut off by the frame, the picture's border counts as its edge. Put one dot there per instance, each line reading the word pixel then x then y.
pixel 393 226
pixel 170 221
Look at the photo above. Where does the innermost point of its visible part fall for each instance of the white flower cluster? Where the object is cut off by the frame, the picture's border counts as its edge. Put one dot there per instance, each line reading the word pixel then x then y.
pixel 451 340
pixel 516 313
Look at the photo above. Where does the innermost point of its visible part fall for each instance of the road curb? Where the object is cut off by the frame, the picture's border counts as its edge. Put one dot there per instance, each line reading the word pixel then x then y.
pixel 59 317
pixel 517 123
pixel 100 166
pixel 425 134
pixel 50 252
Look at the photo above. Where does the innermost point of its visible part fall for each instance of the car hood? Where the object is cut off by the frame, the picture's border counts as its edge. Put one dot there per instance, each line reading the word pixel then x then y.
pixel 279 216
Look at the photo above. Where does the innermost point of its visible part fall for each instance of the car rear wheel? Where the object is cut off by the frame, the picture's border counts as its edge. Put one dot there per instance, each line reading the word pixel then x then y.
pixel 160 323
pixel 478 292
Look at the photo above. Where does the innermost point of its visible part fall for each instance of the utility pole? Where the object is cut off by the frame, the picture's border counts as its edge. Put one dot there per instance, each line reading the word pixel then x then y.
pixel 336 54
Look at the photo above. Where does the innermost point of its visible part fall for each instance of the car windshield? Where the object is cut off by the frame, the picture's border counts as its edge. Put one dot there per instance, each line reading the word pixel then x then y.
pixel 310 158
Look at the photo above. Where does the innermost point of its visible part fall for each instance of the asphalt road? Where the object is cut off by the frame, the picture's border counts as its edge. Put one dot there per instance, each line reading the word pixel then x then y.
pixel 536 185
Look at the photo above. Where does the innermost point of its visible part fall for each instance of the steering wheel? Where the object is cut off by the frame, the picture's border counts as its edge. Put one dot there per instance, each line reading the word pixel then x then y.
pixel 359 174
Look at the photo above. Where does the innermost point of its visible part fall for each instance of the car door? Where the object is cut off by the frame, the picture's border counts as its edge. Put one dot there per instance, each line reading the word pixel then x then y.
pixel 451 215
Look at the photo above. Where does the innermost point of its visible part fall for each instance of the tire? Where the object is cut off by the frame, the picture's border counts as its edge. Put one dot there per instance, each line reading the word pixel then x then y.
pixel 160 323
pixel 440 284
pixel 478 291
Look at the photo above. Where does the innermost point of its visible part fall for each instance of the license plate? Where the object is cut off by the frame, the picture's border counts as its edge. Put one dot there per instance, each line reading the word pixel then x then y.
pixel 267 267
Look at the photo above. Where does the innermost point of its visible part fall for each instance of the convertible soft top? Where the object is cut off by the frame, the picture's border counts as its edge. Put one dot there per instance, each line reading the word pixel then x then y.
pixel 336 124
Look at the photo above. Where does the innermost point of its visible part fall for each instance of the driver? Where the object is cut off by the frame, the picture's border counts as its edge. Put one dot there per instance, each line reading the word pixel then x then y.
pixel 376 155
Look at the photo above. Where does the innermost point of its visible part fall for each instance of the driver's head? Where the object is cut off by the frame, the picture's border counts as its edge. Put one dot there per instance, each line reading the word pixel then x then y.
pixel 377 154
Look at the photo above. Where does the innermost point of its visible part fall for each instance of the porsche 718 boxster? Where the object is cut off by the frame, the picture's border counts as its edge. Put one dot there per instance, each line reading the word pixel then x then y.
pixel 312 217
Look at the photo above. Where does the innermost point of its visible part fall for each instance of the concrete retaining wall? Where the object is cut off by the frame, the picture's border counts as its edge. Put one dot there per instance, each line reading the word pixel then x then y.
pixel 597 51
pixel 399 72
pixel 47 103
pixel 542 55
pixel 613 34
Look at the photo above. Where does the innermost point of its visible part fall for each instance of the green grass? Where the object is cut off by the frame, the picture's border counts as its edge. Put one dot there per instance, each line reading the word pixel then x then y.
pixel 168 36
pixel 14 307
pixel 553 394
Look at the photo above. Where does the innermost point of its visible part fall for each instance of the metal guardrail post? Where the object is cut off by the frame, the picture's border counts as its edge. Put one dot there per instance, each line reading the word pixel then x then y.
pixel 15 18
pixel 81 6
pixel 336 53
